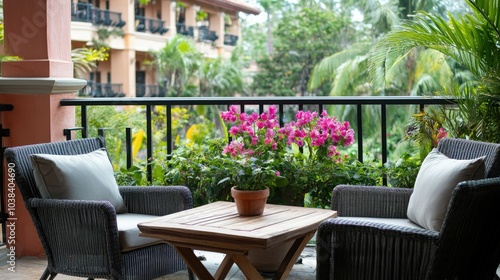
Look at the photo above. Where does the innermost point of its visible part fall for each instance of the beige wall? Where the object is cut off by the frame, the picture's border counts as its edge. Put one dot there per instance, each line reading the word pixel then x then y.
pixel 123 70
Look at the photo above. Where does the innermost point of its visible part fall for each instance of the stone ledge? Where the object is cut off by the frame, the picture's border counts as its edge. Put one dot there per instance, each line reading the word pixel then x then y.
pixel 24 85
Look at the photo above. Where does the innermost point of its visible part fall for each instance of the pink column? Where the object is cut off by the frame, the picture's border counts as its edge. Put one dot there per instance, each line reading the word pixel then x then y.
pixel 39 33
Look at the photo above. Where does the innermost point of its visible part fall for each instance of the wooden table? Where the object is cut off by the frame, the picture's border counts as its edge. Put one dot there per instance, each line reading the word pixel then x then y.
pixel 217 227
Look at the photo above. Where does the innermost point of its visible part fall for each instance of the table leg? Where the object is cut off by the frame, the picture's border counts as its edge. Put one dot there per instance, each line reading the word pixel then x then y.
pixel 194 263
pixel 224 267
pixel 247 267
pixel 292 255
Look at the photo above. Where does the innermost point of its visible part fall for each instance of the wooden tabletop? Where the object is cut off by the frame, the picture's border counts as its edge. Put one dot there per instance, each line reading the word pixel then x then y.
pixel 217 226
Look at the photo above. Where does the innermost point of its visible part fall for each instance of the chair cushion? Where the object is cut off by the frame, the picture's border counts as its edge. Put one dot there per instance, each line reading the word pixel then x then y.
pixel 437 178
pixel 388 221
pixel 80 177
pixel 128 231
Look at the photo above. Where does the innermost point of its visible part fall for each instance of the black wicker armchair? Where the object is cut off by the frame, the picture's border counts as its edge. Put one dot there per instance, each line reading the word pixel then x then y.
pixel 84 238
pixel 373 239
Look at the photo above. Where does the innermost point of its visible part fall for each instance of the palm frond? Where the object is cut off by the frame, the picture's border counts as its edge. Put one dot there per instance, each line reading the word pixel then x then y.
pixel 327 68
pixel 84 61
pixel 349 76
pixel 466 39
pixel 489 10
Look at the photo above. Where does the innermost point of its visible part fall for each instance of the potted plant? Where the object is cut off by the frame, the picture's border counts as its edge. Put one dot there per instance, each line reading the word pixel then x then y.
pixel 267 155
pixel 254 149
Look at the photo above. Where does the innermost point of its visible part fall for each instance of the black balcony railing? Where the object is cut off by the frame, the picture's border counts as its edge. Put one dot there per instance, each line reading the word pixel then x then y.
pixel 144 24
pixel 82 12
pixel 143 90
pixel 93 89
pixel 204 34
pixel 230 40
pixel 86 12
pixel 182 29
pixel 283 103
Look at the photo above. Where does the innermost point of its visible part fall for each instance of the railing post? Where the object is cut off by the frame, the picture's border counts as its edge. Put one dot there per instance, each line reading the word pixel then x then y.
pixel 100 132
pixel 85 125
pixel 67 132
pixel 128 146
pixel 359 122
pixel 383 120
pixel 169 129
pixel 149 140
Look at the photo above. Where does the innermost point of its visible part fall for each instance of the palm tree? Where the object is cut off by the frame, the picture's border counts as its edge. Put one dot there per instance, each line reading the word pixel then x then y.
pixel 472 40
pixel 85 60
pixel 177 64
pixel 222 77
pixel 347 70
pixel 419 72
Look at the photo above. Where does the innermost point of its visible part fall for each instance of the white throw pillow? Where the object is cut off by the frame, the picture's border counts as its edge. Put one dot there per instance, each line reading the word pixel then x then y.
pixel 437 178
pixel 80 177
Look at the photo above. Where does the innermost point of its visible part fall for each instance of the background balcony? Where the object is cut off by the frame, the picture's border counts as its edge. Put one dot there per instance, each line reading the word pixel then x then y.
pixel 230 40
pixel 144 24
pixel 86 12
pixel 151 90
pixel 204 34
pixel 185 30
pixel 93 89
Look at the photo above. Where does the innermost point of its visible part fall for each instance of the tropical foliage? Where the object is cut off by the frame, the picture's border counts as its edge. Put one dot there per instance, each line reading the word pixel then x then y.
pixel 176 65
pixel 472 41
pixel 222 77
pixel 301 39
pixel 85 60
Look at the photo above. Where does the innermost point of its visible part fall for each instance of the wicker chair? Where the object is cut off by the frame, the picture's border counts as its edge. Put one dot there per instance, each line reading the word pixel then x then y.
pixel 467 247
pixel 81 238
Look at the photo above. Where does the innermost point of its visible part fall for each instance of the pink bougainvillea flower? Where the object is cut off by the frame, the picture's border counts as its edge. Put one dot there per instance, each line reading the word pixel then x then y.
pixel 442 133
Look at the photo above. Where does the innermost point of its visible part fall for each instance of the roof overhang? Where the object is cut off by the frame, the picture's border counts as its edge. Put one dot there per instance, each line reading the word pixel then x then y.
pixel 230 5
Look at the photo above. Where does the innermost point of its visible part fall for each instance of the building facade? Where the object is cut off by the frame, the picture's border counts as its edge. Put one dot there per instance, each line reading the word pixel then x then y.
pixel 131 30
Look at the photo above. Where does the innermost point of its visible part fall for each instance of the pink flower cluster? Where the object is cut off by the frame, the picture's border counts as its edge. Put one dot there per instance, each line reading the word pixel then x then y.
pixel 256 133
pixel 318 131
pixel 442 133
pixel 257 130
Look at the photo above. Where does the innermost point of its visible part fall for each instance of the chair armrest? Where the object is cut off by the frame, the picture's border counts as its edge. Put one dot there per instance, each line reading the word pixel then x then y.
pixel 370 201
pixel 62 222
pixel 349 249
pixel 157 200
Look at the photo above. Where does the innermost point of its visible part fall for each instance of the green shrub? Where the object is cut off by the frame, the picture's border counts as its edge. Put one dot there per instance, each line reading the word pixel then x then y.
pixel 403 172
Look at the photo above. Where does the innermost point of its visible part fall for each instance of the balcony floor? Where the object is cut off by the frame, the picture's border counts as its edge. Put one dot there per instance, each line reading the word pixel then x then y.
pixel 33 267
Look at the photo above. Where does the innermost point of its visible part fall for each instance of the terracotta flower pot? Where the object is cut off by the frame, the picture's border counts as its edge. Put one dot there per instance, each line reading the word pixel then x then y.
pixel 250 203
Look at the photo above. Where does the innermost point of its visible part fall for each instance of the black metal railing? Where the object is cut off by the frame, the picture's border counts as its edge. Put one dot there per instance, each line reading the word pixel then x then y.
pixel 144 24
pixel 281 102
pixel 204 34
pixel 93 89
pixel 86 12
pixel 182 29
pixel 230 40
pixel 151 90
pixel 82 12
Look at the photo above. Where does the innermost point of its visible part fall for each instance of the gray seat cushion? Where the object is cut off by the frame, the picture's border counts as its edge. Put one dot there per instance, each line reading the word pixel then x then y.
pixel 129 232
pixel 388 221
